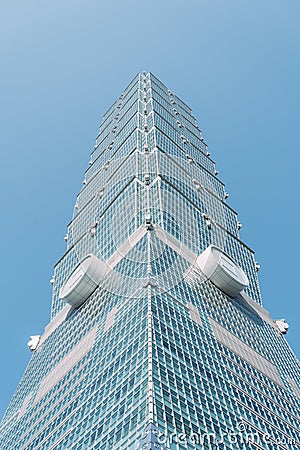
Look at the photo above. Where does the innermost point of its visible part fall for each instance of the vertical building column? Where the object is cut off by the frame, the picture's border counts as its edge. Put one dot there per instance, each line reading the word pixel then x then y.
pixel 150 394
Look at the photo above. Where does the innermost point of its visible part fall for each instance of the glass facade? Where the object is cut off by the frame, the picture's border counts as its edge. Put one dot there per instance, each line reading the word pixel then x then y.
pixel 156 356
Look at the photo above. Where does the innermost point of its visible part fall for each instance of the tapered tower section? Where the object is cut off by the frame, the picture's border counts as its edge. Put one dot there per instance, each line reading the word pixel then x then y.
pixel 157 338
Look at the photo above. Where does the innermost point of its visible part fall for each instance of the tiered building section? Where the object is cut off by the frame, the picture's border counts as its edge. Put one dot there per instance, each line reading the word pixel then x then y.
pixel 157 337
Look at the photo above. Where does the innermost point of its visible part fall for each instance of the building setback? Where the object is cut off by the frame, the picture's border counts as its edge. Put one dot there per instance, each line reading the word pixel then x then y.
pixel 157 338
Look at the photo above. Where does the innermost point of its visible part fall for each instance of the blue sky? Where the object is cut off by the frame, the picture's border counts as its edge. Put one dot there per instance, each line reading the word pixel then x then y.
pixel 235 62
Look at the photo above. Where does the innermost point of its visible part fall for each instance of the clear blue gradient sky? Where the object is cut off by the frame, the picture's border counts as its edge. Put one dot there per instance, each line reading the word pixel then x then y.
pixel 235 62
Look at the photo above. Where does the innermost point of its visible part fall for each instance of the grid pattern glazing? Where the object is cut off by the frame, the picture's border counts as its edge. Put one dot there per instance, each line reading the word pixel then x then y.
pixel 157 344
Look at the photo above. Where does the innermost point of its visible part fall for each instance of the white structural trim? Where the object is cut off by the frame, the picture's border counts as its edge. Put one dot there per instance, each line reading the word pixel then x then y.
pixel 222 271
pixel 85 278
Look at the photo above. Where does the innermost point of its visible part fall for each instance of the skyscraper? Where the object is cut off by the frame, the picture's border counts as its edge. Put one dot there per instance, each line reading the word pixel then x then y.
pixel 157 338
